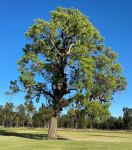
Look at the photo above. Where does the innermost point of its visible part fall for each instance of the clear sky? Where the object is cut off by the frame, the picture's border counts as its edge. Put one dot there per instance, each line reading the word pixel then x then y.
pixel 112 17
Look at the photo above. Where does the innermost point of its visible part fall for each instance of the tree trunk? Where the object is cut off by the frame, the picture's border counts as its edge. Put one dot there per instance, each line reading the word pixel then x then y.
pixel 3 123
pixel 23 124
pixel 76 125
pixel 52 132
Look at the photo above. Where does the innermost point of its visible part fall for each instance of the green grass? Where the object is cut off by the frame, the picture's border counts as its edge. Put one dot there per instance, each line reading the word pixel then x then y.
pixel 35 139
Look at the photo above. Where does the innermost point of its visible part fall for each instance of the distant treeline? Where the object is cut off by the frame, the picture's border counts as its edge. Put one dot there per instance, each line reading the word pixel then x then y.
pixel 26 115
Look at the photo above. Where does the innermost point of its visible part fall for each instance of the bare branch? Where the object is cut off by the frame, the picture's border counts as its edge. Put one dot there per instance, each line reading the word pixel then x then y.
pixel 69 49
pixel 48 93
pixel 56 48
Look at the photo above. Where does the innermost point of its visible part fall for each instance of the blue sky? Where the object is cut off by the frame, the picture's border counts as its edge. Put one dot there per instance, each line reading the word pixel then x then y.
pixel 113 18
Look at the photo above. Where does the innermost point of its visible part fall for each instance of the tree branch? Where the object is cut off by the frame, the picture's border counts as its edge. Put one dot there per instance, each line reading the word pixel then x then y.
pixel 48 93
pixel 56 48
pixel 69 49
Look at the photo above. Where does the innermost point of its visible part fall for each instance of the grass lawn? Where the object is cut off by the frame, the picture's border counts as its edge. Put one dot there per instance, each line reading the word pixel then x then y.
pixel 35 139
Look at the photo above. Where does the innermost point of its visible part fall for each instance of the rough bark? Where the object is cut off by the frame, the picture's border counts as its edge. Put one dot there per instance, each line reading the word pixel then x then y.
pixel 52 132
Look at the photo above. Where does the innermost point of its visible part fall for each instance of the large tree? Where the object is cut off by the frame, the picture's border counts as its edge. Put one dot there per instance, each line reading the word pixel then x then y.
pixel 66 62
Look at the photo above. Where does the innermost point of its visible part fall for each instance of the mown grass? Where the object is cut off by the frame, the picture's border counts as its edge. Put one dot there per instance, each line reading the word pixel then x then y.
pixel 35 139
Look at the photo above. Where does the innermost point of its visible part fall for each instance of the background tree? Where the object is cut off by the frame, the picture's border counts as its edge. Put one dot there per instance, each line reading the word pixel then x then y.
pixel 21 112
pixel 67 62
pixel 8 114
pixel 93 113
pixel 30 111
pixel 45 115
pixel 64 121
pixel 42 116
pixel 1 115
pixel 127 117
pixel 37 120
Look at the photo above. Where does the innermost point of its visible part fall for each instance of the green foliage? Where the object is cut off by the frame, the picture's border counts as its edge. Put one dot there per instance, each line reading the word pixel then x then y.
pixel 42 117
pixel 93 115
pixel 68 54
pixel 8 114
pixel 21 114
pixel 96 109
pixel 127 117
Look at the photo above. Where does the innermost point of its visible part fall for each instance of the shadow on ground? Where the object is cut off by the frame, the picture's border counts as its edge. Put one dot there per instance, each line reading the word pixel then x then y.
pixel 23 135
pixel 4 132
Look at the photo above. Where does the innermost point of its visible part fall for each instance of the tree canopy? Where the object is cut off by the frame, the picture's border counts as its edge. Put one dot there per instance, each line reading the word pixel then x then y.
pixel 66 62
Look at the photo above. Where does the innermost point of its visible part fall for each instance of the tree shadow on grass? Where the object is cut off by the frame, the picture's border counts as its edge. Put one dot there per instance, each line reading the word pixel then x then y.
pixel 23 135
pixel 4 132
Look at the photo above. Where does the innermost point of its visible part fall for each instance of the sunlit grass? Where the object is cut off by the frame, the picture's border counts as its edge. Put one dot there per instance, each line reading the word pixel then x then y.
pixel 34 139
